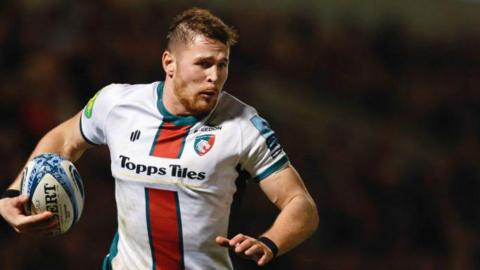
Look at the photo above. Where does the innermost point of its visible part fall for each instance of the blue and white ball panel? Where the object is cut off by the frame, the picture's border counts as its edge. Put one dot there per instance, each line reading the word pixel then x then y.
pixel 53 184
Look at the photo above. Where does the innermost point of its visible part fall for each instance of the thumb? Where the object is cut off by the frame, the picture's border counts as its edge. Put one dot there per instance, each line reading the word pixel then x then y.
pixel 21 200
pixel 222 241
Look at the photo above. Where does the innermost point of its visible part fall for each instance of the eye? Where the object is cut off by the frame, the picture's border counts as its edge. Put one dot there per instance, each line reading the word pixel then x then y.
pixel 204 63
pixel 222 64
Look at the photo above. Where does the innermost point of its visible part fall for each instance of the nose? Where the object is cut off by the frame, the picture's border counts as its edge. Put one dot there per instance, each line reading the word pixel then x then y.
pixel 212 76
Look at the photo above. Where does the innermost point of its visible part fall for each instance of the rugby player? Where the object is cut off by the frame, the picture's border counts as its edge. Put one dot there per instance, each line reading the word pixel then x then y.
pixel 178 147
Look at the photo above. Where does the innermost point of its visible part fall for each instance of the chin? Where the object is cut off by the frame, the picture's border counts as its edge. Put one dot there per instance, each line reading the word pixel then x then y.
pixel 202 107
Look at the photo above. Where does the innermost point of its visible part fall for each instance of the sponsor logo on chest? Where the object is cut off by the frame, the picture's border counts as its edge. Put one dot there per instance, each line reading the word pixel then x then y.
pixel 173 170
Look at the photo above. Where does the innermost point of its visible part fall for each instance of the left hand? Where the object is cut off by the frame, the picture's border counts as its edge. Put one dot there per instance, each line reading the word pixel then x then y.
pixel 11 209
pixel 247 247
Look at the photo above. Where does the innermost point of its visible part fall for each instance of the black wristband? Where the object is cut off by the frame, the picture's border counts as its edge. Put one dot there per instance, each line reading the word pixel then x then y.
pixel 10 193
pixel 270 244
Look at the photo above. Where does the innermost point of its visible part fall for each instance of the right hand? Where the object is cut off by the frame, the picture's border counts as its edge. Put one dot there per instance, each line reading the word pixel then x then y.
pixel 11 209
pixel 247 247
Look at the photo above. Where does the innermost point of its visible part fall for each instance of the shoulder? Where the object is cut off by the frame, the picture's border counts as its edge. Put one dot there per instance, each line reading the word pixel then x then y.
pixel 116 93
pixel 119 91
pixel 231 108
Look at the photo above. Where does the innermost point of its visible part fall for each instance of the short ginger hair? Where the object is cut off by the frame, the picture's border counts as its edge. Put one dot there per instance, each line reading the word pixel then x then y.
pixel 191 22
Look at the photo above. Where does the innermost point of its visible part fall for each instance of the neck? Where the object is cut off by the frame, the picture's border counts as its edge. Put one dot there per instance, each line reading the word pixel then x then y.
pixel 170 100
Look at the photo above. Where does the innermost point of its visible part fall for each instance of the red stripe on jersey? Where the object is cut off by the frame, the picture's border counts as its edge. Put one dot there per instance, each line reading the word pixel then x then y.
pixel 165 230
pixel 169 140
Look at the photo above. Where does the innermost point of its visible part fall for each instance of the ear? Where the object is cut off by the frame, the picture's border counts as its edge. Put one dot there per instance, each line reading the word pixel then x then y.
pixel 168 62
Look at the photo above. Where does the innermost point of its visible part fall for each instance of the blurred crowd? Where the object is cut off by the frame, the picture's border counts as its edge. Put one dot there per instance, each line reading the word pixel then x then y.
pixel 382 123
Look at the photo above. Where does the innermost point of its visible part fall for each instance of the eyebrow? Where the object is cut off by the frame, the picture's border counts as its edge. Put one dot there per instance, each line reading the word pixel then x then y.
pixel 200 58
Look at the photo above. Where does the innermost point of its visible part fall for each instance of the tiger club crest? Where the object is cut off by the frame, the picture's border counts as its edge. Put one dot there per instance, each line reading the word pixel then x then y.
pixel 204 143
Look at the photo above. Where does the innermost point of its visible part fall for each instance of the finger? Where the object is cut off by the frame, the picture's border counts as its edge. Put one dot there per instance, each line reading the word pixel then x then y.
pixel 20 200
pixel 264 259
pixel 33 219
pixel 244 245
pixel 23 198
pixel 17 204
pixel 46 231
pixel 46 225
pixel 237 239
pixel 222 241
pixel 255 250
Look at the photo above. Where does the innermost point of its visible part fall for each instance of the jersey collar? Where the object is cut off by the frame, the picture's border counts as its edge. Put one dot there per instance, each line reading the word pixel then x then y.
pixel 167 116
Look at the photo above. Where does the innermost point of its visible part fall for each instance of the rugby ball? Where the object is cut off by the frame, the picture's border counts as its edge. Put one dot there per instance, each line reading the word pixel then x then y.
pixel 53 184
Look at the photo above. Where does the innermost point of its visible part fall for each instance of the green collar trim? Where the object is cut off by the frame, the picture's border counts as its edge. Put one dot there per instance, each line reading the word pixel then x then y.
pixel 167 116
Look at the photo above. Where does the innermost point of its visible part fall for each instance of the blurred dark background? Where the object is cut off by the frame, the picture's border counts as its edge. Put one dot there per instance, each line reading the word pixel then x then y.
pixel 377 104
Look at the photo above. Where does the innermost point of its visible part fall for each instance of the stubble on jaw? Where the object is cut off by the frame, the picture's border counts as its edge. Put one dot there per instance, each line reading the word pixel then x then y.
pixel 192 101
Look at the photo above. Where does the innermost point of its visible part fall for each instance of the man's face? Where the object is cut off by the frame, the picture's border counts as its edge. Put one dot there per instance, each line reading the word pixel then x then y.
pixel 201 69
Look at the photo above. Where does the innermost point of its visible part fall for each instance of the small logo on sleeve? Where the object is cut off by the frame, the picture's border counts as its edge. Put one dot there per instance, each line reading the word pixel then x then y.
pixel 89 107
pixel 204 143
pixel 270 138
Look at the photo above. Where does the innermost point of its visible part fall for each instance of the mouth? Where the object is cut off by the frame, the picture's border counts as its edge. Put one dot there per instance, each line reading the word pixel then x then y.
pixel 208 93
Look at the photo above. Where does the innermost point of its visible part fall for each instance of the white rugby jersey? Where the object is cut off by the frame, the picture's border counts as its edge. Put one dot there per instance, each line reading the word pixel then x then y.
pixel 175 176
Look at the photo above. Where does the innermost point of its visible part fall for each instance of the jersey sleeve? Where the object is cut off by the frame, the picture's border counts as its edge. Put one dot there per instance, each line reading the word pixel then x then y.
pixel 263 155
pixel 95 113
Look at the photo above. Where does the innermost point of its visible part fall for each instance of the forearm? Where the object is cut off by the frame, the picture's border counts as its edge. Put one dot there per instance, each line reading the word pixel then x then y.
pixel 64 140
pixel 295 223
pixel 297 220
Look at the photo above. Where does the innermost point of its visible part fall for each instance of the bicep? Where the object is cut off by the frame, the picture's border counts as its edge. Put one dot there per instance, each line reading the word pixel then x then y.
pixel 281 187
pixel 66 139
pixel 75 140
